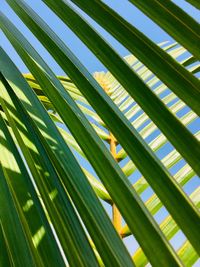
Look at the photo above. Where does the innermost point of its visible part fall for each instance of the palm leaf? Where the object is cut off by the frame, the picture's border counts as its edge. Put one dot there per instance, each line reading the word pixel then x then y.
pixel 72 143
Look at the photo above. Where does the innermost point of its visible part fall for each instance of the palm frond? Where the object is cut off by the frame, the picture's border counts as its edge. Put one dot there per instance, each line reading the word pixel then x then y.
pixel 75 148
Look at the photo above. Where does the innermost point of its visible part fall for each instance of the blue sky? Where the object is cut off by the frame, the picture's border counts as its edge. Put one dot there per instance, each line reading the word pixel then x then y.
pixel 128 11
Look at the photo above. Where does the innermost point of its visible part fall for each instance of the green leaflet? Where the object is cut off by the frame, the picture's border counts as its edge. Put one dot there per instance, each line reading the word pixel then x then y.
pixel 60 210
pixel 80 103
pixel 21 184
pixel 170 228
pixel 174 21
pixel 170 72
pixel 100 155
pixel 89 208
pixel 194 3
pixel 12 226
pixel 147 163
pixel 5 259
pixel 176 133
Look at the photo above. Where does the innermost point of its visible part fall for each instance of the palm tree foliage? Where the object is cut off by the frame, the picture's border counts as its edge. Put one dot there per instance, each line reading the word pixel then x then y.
pixel 70 144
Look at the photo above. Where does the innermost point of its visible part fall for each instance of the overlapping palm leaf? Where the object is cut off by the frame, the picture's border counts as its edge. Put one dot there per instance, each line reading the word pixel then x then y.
pixel 116 92
pixel 56 168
